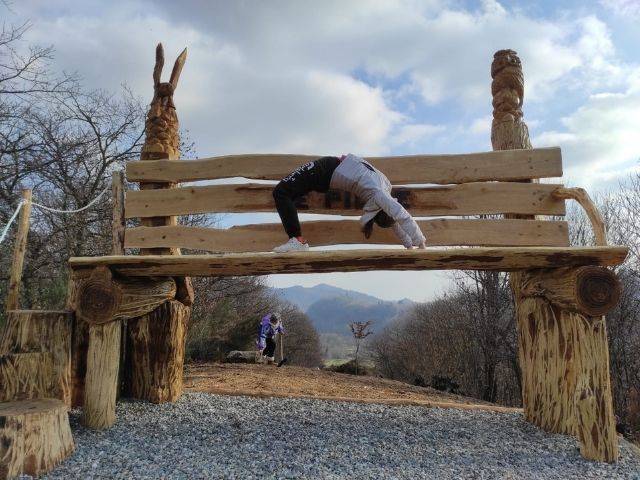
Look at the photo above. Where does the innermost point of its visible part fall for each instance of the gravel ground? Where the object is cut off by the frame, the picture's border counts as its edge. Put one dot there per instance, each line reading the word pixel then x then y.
pixel 209 436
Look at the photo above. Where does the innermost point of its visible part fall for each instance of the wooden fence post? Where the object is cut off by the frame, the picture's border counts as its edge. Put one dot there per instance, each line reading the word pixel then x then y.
pixel 13 296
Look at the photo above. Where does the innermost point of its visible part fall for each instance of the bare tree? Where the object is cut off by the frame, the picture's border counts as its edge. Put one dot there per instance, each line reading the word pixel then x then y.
pixel 360 331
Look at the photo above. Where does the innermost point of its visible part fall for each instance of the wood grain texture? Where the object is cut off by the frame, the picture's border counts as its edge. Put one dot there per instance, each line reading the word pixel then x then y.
pixel 101 381
pixel 466 199
pixel 103 299
pixel 439 169
pixel 581 196
pixel 19 250
pixel 587 290
pixel 229 264
pixel 27 331
pixel 79 349
pixel 156 345
pixel 34 437
pixel 595 418
pixel 118 221
pixel 566 372
pixel 439 232
pixel 25 376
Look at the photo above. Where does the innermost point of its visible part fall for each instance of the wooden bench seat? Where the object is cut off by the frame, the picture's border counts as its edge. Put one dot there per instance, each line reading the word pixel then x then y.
pixel 262 263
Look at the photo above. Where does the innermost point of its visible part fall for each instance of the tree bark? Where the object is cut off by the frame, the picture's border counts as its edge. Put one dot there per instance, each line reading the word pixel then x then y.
pixel 101 382
pixel 34 437
pixel 156 353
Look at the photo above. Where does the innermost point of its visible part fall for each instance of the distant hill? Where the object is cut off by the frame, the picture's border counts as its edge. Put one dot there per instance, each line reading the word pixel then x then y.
pixel 331 309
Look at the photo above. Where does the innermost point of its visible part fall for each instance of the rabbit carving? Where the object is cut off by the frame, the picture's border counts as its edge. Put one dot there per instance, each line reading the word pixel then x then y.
pixel 162 139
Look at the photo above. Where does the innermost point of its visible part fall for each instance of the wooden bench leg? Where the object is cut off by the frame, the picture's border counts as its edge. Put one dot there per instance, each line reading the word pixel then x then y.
pixel 595 419
pixel 155 353
pixel 101 381
pixel 565 361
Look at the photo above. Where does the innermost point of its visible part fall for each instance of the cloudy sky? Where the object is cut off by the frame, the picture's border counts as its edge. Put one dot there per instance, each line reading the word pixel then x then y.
pixel 372 77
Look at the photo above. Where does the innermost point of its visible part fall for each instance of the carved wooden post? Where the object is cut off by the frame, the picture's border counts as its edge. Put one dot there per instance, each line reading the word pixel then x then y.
pixel 13 296
pixel 165 329
pixel 562 348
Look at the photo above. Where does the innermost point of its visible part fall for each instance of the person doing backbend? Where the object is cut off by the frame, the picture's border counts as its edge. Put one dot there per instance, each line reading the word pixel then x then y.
pixel 352 174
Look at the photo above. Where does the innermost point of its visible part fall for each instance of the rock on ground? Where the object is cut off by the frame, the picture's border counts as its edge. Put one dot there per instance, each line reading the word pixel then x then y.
pixel 206 436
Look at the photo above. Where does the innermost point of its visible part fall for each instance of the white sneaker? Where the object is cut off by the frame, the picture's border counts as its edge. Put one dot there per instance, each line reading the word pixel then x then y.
pixel 293 245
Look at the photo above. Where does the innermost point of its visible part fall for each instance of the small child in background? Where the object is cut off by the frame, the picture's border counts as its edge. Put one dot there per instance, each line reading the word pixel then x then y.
pixel 270 325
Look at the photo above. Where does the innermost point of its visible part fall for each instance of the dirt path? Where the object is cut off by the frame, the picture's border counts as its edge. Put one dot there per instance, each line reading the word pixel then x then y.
pixel 297 382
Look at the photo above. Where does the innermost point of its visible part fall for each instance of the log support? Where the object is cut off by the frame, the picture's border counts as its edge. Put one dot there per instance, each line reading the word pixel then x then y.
pixel 562 335
pixel 564 355
pixel 101 382
pixel 155 339
pixel 155 346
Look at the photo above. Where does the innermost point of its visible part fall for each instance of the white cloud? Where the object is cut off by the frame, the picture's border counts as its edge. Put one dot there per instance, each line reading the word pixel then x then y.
pixel 411 134
pixel 599 139
pixel 627 8
pixel 481 126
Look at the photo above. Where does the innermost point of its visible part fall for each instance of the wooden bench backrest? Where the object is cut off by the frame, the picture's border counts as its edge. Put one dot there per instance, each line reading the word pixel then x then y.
pixel 489 183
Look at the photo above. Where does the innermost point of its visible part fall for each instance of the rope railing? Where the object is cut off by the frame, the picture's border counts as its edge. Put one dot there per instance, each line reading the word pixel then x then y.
pixel 14 216
pixel 5 230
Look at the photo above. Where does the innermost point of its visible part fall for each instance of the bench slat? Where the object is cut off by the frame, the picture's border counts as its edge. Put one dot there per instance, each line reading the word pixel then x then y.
pixel 506 165
pixel 439 232
pixel 232 264
pixel 454 200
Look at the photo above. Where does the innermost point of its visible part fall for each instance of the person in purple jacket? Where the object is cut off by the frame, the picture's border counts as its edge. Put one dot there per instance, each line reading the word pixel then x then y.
pixel 270 325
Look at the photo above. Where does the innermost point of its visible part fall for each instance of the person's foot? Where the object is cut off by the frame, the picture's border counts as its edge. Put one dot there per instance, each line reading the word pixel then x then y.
pixel 293 245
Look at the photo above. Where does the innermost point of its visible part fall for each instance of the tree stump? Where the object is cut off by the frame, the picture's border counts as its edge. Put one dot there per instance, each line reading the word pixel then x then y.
pixel 155 348
pixel 34 437
pixel 101 381
pixel 30 331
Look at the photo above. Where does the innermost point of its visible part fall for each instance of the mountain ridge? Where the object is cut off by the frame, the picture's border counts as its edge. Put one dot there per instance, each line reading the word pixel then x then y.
pixel 331 309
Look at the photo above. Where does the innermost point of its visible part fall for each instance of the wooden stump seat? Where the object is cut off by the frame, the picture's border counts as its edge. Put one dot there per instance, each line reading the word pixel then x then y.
pixel 34 436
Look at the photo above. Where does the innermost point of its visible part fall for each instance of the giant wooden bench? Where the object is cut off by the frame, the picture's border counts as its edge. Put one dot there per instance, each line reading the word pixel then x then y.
pixel 561 291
